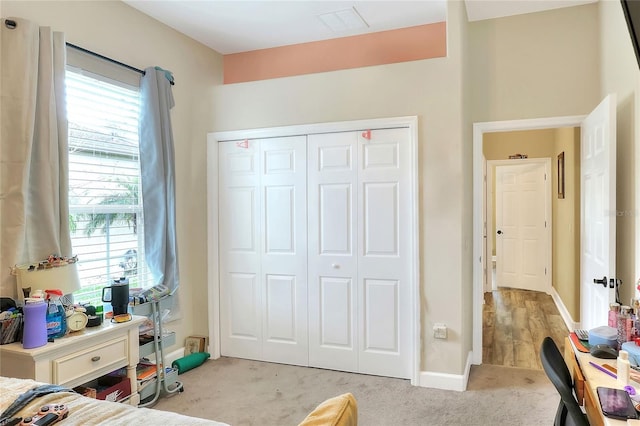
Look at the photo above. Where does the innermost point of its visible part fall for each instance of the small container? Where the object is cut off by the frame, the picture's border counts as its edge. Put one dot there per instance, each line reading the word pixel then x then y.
pixel 35 323
pixel 624 325
pixel 614 309
pixel 623 368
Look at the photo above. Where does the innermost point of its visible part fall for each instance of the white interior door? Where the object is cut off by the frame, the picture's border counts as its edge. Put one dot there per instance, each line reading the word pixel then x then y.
pixel 384 260
pixel 239 250
pixel 359 253
pixel 333 263
pixel 262 214
pixel 284 249
pixel 598 206
pixel 522 241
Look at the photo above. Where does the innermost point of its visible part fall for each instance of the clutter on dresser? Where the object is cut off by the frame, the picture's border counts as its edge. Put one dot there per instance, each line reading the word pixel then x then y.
pixel 54 272
pixel 11 319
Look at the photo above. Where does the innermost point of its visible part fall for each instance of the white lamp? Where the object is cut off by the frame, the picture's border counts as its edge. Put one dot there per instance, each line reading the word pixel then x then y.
pixel 63 276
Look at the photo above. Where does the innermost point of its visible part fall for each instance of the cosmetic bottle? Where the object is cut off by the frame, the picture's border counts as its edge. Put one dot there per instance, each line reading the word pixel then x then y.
pixel 624 325
pixel 614 309
pixel 623 367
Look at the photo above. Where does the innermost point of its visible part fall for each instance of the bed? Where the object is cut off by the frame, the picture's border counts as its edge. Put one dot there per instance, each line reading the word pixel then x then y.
pixel 87 411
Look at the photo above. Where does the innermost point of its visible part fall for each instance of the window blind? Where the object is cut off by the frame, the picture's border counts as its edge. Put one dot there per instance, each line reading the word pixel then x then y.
pixel 105 198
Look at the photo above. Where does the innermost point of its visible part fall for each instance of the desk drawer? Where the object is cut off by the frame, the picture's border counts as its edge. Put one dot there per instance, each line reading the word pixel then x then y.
pixel 579 384
pixel 111 354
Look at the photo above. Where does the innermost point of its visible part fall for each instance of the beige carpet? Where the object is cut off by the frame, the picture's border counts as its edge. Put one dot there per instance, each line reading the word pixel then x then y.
pixel 243 393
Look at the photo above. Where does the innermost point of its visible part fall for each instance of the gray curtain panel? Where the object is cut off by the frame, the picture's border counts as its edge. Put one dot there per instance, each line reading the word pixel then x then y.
pixel 34 162
pixel 157 165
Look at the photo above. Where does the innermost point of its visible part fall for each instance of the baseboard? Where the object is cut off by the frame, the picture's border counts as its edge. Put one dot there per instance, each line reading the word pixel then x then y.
pixel 564 312
pixel 455 382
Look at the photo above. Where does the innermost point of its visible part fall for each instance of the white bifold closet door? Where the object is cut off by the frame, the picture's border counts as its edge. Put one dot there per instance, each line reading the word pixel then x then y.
pixel 314 250
pixel 263 249
pixel 359 256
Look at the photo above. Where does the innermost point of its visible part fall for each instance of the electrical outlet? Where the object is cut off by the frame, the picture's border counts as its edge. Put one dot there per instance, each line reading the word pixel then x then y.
pixel 440 331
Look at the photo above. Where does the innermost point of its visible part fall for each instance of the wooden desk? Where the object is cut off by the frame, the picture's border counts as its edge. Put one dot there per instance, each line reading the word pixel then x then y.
pixel 78 357
pixel 587 378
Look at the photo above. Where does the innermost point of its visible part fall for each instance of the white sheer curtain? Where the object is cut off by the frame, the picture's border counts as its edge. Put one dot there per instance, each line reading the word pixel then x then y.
pixel 157 167
pixel 34 210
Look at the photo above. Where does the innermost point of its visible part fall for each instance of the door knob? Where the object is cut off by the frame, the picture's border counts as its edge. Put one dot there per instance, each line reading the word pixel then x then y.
pixel 603 281
pixel 499 232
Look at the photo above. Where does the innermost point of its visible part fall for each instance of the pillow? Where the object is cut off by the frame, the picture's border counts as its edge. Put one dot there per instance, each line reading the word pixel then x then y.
pixel 337 411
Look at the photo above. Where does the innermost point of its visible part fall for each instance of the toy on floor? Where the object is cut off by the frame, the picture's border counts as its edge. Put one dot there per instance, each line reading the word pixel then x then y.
pixel 190 361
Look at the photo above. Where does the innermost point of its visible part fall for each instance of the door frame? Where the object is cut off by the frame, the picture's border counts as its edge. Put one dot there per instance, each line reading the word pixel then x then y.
pixel 213 283
pixel 546 162
pixel 479 129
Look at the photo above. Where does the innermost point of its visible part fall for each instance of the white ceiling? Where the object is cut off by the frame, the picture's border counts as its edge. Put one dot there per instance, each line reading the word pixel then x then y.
pixel 239 26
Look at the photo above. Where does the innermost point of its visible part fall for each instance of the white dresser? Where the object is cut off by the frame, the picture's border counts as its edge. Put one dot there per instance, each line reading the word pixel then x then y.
pixel 78 357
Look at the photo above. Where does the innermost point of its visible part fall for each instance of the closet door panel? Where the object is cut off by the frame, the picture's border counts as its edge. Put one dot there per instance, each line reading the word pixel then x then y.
pixel 284 249
pixel 332 183
pixel 383 253
pixel 239 250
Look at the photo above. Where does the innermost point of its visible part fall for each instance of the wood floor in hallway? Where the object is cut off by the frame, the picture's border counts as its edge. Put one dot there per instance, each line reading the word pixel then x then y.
pixel 514 324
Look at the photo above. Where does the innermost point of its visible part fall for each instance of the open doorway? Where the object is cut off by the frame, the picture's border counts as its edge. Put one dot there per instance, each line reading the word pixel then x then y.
pixel 523 137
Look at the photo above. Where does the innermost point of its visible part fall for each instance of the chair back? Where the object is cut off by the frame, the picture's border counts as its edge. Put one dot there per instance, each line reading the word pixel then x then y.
pixel 569 411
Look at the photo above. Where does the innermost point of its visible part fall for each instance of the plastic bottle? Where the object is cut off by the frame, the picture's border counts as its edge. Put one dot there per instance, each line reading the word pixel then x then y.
pixel 56 316
pixel 614 309
pixel 623 368
pixel 624 325
pixel 35 323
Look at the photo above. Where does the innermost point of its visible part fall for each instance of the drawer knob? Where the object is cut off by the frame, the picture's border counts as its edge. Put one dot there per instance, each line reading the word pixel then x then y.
pixel 95 358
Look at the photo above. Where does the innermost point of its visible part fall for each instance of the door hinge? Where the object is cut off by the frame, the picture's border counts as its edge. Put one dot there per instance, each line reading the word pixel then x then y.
pixel 545 271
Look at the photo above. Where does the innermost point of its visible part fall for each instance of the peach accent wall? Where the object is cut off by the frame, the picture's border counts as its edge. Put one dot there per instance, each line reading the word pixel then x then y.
pixel 386 47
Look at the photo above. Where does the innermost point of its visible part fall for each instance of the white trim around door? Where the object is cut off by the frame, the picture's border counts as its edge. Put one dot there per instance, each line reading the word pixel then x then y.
pixel 306 129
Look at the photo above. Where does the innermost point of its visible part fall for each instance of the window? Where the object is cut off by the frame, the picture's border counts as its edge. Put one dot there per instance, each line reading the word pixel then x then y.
pixel 105 198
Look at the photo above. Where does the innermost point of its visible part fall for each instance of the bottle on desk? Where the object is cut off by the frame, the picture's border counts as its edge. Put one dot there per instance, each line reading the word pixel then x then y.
pixel 623 368
pixel 625 324
pixel 614 310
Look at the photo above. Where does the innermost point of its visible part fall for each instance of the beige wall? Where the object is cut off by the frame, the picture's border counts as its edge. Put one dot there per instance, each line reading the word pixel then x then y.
pixel 120 32
pixel 430 89
pixel 535 65
pixel 566 221
pixel 621 75
pixel 541 65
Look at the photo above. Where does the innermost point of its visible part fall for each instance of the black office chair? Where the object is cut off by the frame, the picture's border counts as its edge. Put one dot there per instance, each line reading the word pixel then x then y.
pixel 569 412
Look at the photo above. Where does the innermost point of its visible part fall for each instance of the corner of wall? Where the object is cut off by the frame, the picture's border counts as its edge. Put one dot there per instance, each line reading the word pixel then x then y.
pixel 445 381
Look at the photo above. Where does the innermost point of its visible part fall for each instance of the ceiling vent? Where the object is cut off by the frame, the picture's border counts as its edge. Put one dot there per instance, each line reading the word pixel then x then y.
pixel 343 20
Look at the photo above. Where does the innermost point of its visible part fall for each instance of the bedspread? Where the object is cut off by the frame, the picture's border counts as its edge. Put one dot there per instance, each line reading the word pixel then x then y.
pixel 88 411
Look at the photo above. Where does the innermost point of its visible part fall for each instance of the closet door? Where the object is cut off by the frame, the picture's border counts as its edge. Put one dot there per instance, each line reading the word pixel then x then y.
pixel 239 250
pixel 284 250
pixel 359 253
pixel 384 260
pixel 262 214
pixel 332 174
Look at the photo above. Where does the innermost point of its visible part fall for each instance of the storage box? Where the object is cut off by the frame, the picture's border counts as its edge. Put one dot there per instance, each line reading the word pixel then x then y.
pixel 634 352
pixel 113 388
pixel 603 335
pixel 108 388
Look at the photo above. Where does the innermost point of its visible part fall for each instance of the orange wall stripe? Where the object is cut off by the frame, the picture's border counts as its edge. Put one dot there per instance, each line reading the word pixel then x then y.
pixel 386 47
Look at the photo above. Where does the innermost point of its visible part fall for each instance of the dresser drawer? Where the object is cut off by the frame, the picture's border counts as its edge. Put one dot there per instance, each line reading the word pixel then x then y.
pixel 105 357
